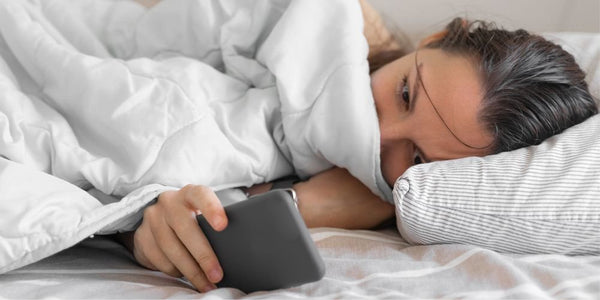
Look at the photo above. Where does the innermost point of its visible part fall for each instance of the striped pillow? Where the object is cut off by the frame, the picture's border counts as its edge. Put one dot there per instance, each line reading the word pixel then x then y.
pixel 540 199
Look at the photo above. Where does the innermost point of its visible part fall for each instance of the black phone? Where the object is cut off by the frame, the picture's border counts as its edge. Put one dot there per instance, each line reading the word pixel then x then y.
pixel 265 245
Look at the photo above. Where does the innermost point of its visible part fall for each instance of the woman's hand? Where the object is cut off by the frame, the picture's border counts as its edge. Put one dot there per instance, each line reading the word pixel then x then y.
pixel 170 240
pixel 378 36
pixel 334 198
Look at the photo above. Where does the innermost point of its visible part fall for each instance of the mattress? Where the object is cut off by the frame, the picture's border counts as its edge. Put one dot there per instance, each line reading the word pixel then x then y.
pixel 360 264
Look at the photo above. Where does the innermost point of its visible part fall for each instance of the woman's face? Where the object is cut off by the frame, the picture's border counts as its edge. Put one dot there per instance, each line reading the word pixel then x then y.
pixel 411 129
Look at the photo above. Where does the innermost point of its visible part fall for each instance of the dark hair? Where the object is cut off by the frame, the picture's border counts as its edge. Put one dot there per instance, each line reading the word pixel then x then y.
pixel 533 89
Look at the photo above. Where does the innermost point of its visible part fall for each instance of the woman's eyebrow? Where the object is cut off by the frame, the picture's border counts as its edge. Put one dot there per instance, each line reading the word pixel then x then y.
pixel 415 86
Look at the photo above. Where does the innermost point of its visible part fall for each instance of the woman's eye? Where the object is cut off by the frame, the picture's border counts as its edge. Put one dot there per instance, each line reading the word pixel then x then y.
pixel 405 94
pixel 417 160
pixel 402 90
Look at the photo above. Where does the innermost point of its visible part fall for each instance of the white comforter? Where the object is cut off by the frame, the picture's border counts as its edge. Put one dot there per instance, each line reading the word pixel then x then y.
pixel 131 102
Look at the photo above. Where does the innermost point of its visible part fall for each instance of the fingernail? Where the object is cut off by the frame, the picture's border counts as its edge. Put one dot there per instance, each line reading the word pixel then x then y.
pixel 215 275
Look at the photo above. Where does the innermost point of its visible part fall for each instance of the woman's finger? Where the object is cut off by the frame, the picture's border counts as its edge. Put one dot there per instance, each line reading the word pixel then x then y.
pixel 150 255
pixel 202 198
pixel 203 254
pixel 179 256
pixel 190 234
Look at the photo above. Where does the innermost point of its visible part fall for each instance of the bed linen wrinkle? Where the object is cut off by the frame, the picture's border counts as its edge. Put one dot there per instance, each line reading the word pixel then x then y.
pixel 556 257
pixel 483 275
pixel 415 273
pixel 320 236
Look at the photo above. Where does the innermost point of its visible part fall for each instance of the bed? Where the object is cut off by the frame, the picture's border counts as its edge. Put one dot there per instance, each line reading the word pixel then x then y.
pixel 360 264
pixel 378 263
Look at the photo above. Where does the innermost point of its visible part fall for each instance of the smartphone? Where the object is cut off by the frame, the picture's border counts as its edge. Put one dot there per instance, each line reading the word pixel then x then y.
pixel 265 245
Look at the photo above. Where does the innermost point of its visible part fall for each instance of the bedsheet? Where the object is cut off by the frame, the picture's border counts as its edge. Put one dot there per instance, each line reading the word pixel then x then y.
pixel 360 265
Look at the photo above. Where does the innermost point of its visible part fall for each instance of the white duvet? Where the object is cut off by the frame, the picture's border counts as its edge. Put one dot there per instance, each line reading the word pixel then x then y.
pixel 131 102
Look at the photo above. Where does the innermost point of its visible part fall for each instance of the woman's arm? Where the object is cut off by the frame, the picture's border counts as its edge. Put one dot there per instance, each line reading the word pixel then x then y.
pixel 335 198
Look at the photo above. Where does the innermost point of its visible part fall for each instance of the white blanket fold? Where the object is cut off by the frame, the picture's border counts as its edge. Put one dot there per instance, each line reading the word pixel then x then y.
pixel 130 101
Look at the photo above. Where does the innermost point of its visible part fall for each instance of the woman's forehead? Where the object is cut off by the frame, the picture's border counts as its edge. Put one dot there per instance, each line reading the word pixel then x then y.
pixel 452 89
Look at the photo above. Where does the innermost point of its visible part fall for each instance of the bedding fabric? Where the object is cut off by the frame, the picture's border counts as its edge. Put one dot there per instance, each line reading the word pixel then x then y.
pixel 540 199
pixel 133 101
pixel 360 265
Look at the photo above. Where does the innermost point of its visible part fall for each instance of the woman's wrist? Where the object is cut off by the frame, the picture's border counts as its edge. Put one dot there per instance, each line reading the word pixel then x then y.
pixel 301 190
pixel 258 189
pixel 286 182
pixel 334 198
pixel 304 197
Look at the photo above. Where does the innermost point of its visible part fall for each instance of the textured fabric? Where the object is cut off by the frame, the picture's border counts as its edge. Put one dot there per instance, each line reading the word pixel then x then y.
pixel 360 265
pixel 540 199
pixel 134 101
pixel 207 92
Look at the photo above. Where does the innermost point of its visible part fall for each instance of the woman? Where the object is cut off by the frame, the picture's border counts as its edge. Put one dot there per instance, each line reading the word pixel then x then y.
pixel 471 90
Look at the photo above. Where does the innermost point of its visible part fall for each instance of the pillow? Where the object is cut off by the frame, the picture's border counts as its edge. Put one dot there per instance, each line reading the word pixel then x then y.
pixel 539 199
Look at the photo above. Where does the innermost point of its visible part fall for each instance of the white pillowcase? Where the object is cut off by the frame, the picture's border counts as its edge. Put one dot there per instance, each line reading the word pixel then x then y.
pixel 539 199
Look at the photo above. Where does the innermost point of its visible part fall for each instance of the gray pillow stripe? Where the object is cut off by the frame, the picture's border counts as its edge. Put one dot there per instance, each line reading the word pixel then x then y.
pixel 501 245
pixel 580 230
pixel 490 199
pixel 496 233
